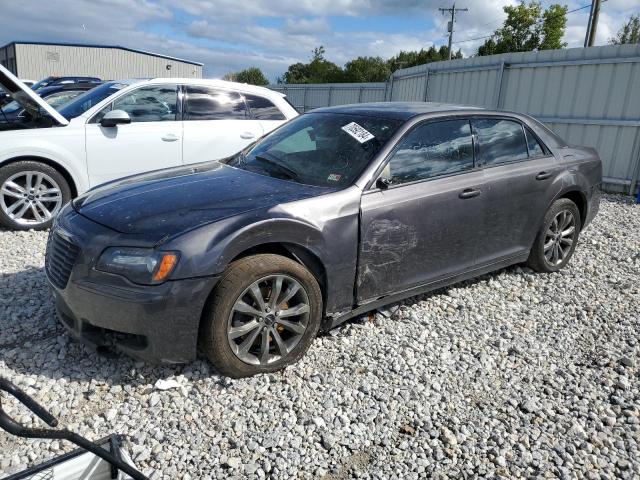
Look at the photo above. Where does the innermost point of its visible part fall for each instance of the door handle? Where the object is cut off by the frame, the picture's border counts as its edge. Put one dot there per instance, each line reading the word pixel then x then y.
pixel 170 137
pixel 543 175
pixel 469 193
pixel 247 135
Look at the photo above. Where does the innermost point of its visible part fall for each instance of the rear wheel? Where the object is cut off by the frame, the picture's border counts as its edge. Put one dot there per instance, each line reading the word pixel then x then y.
pixel 262 316
pixel 557 239
pixel 31 195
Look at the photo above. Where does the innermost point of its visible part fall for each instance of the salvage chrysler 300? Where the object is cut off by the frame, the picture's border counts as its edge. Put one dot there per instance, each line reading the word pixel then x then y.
pixel 333 214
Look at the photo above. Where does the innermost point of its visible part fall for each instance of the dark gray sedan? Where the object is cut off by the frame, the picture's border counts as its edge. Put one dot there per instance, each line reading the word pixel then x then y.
pixel 334 214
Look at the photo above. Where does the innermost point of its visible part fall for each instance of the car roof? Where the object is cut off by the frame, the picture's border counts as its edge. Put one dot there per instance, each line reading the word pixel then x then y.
pixel 246 87
pixel 69 86
pixel 398 110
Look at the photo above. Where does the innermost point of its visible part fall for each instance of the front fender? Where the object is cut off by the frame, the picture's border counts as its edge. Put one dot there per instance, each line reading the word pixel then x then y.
pixel 62 147
pixel 325 226
pixel 209 250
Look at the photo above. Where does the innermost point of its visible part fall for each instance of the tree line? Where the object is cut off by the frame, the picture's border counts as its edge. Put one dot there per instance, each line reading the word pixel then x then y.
pixel 527 27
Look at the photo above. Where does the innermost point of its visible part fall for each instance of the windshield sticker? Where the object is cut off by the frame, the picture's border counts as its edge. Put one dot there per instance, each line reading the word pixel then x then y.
pixel 334 177
pixel 356 131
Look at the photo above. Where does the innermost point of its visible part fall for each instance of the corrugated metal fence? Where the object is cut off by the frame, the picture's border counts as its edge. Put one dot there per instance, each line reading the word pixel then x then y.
pixel 588 96
pixel 306 97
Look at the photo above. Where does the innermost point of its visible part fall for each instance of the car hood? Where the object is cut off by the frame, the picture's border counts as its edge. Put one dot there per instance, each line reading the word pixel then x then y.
pixel 27 98
pixel 169 202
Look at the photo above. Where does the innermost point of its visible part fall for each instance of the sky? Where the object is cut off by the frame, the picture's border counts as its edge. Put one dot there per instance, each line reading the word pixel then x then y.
pixel 230 35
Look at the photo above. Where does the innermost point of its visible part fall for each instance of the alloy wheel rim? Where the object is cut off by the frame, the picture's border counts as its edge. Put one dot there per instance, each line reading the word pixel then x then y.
pixel 268 320
pixel 30 198
pixel 559 237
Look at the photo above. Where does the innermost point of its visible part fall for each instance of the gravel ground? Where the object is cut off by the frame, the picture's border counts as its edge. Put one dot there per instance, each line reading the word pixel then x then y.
pixel 512 374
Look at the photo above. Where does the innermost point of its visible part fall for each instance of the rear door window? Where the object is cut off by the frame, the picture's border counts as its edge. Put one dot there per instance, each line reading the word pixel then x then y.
pixel 431 150
pixel 500 141
pixel 206 103
pixel 263 108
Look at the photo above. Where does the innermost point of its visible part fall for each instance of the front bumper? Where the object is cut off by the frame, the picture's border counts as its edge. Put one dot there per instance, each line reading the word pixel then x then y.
pixel 157 324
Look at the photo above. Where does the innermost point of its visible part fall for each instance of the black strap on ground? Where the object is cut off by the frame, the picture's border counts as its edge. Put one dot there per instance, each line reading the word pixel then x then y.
pixel 14 428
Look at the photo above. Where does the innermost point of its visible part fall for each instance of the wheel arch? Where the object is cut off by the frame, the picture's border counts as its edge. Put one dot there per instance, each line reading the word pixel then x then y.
pixel 71 181
pixel 297 253
pixel 292 251
pixel 577 197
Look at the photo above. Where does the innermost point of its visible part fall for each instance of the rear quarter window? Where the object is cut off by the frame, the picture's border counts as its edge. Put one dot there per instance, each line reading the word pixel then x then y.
pixel 535 149
pixel 263 108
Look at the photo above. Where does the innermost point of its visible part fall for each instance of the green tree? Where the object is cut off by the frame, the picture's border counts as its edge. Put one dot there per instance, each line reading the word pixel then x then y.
pixel 554 23
pixel 629 33
pixel 528 28
pixel 360 69
pixel 297 73
pixel 253 76
pixel 366 69
pixel 318 70
pixel 413 58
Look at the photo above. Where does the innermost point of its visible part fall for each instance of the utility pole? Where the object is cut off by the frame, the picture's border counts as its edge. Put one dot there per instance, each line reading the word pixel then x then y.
pixel 452 11
pixel 592 27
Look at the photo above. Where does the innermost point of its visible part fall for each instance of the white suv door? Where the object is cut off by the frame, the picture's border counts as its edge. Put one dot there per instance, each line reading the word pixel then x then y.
pixel 217 124
pixel 152 140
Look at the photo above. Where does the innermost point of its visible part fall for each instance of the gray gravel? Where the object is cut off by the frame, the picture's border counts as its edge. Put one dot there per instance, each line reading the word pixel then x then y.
pixel 512 374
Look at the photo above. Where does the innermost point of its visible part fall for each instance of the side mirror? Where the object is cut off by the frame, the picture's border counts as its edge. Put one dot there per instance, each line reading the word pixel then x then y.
pixel 115 118
pixel 383 183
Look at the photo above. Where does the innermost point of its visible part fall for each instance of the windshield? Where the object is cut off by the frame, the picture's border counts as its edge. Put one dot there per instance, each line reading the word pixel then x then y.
pixel 320 149
pixel 84 102
pixel 59 99
pixel 12 107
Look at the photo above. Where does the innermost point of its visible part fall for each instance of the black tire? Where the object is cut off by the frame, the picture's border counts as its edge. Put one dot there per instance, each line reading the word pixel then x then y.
pixel 217 316
pixel 29 220
pixel 537 259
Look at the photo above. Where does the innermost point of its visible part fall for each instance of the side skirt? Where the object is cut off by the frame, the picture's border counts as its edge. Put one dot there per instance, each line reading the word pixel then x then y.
pixel 332 322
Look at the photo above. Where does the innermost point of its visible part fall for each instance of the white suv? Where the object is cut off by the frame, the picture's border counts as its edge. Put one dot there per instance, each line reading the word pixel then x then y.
pixel 118 129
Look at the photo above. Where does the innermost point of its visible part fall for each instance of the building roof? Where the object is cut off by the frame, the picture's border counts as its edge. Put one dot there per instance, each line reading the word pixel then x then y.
pixel 399 110
pixel 118 47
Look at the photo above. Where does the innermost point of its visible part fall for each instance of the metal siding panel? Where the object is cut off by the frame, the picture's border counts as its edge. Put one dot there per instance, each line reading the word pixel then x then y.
pixel 106 63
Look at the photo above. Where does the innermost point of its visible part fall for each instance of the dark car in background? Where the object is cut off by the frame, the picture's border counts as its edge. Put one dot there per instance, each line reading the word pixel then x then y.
pixel 56 96
pixel 50 82
pixel 54 80
pixel 336 213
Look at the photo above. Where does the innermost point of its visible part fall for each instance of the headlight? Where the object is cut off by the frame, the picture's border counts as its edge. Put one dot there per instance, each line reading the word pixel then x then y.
pixel 140 265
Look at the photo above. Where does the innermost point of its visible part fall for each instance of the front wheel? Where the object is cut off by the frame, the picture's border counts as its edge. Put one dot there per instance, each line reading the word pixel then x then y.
pixel 557 238
pixel 262 316
pixel 31 195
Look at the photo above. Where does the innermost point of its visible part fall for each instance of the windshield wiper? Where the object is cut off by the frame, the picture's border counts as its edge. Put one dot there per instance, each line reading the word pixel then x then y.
pixel 291 174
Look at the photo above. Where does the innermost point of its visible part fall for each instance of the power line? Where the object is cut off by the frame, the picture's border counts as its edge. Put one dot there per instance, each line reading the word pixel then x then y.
pixel 539 21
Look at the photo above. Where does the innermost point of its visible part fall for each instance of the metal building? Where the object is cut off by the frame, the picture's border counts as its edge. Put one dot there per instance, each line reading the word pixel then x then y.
pixel 33 60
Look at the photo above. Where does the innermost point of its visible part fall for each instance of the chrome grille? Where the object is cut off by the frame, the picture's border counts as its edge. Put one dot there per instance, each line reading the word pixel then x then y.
pixel 61 256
